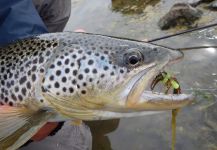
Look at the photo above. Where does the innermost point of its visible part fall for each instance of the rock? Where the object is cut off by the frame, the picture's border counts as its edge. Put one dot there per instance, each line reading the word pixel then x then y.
pixel 213 5
pixel 132 7
pixel 194 3
pixel 180 14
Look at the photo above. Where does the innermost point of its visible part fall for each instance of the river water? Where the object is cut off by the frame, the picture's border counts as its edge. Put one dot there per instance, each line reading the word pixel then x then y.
pixel 196 124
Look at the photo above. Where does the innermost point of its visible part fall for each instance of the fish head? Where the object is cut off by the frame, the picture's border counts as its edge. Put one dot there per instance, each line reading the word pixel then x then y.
pixel 111 75
pixel 143 62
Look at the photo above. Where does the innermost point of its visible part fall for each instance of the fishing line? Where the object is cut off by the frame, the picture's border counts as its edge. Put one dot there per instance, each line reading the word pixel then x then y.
pixel 196 47
pixel 182 32
pixel 166 37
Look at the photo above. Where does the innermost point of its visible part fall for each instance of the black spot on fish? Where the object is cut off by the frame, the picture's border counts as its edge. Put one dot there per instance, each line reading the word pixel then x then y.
pixel 20 97
pixel 121 71
pixel 48 53
pixel 71 90
pixel 51 78
pixel 13 97
pixel 34 68
pixel 94 71
pixel 42 70
pixel 72 64
pixel 58 72
pixel 102 57
pixel 80 76
pixel 10 104
pixel 64 79
pixel 23 80
pixel 33 77
pixel 56 85
pixel 23 91
pixel 64 89
pixel 74 82
pixel 41 59
pixel 84 84
pixel 6 99
pixel 66 61
pixel 49 45
pixel 105 68
pixel 67 70
pixel 90 62
pixel 86 70
pixel 74 56
pixel 83 92
pixel 55 44
pixel 59 63
pixel 75 72
pixel 16 89
pixel 52 66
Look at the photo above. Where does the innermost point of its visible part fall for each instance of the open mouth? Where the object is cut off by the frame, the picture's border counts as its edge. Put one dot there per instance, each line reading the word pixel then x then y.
pixel 168 81
pixel 147 98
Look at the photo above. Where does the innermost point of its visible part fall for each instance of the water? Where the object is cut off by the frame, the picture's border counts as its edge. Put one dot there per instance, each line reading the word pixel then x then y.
pixel 196 124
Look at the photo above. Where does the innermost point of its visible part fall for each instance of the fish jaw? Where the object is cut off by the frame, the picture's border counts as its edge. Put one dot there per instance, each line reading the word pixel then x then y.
pixel 159 101
pixel 139 99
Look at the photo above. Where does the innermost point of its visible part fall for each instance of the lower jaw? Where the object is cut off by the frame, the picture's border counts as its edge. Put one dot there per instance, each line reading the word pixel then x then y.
pixel 157 106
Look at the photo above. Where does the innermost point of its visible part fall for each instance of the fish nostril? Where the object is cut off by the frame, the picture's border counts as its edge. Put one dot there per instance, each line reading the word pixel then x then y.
pixel 155 49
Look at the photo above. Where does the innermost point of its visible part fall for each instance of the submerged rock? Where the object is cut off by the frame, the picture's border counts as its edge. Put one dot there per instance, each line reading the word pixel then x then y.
pixel 194 2
pixel 197 2
pixel 213 5
pixel 132 6
pixel 180 14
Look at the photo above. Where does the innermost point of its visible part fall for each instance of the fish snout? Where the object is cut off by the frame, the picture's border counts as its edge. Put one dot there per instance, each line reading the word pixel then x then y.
pixel 162 54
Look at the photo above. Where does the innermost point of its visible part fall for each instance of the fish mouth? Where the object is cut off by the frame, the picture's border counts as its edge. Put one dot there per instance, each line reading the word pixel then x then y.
pixel 141 97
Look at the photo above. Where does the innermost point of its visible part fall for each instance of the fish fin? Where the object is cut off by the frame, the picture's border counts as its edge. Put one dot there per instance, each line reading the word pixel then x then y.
pixel 77 122
pixel 71 107
pixel 19 124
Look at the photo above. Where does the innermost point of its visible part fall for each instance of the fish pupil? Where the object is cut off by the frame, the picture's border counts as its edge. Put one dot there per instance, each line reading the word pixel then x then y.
pixel 133 60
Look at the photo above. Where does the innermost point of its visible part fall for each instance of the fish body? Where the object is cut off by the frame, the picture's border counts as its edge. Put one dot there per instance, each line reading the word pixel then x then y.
pixel 78 76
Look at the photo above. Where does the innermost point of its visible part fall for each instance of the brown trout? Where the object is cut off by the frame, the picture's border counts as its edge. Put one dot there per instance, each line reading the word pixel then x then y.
pixel 78 76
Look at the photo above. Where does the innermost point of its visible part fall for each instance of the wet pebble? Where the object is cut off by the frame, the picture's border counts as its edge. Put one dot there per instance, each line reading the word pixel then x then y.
pixel 194 3
pixel 213 5
pixel 197 2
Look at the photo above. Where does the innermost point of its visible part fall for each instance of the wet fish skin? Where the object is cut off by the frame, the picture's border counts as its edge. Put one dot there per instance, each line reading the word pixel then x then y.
pixel 77 76
pixel 49 55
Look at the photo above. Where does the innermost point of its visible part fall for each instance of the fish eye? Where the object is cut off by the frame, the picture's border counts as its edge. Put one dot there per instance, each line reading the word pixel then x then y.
pixel 133 58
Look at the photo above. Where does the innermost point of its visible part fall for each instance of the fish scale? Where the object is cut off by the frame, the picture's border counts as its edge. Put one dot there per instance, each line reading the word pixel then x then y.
pixel 26 59
pixel 20 67
pixel 82 71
